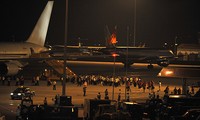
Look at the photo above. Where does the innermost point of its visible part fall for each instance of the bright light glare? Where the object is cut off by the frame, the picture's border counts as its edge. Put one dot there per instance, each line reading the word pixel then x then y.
pixel 175 96
pixel 169 72
pixel 130 103
pixel 159 74
pixel 114 54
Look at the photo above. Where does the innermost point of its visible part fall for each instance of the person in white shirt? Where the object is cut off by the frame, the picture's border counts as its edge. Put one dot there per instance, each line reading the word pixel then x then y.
pixel 54 85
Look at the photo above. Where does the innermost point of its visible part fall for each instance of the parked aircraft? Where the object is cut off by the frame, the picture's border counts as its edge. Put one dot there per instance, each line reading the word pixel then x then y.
pixel 13 56
pixel 130 55
pixel 125 54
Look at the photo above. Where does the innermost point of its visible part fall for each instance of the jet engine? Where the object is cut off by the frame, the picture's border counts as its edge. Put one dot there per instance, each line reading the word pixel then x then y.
pixel 163 63
pixel 9 69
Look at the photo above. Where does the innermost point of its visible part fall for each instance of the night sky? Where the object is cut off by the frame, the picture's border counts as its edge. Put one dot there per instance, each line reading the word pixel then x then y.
pixel 157 21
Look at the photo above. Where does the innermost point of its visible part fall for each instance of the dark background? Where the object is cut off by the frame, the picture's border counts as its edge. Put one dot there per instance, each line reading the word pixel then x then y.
pixel 157 21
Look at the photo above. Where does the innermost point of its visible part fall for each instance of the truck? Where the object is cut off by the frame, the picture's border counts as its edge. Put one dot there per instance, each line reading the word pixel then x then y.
pixel 91 107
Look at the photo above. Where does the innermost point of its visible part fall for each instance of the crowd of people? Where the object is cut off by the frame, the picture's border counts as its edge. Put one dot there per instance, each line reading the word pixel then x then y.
pixel 110 81
pixel 85 80
pixel 19 81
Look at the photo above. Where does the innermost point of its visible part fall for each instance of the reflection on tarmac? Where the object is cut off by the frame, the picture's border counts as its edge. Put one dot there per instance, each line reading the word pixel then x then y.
pixel 90 67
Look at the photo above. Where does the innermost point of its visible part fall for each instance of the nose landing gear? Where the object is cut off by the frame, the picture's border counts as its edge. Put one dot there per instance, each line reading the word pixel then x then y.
pixel 150 66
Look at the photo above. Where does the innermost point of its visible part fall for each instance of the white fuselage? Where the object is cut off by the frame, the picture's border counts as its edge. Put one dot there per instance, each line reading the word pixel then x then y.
pixel 14 56
pixel 19 50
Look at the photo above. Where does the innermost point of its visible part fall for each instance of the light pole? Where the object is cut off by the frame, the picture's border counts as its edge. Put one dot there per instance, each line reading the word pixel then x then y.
pixel 127 42
pixel 114 57
pixel 134 27
pixel 65 54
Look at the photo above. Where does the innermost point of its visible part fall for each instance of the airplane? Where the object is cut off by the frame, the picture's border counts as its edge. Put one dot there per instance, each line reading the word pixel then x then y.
pixel 14 56
pixel 128 54
pixel 125 54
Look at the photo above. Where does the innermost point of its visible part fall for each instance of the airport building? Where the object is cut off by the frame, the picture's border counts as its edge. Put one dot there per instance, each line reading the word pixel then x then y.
pixel 188 52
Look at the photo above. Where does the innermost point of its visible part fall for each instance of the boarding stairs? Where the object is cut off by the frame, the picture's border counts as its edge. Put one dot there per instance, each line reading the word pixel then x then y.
pixel 58 65
pixel 34 68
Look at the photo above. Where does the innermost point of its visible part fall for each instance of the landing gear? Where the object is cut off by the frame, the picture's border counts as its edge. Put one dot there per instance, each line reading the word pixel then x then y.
pixel 150 66
pixel 128 65
pixel 163 63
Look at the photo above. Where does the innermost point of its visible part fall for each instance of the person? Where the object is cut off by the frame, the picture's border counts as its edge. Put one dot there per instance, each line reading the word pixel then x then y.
pixel 3 80
pixel 175 91
pixel 106 94
pixel 85 83
pixel 37 80
pixel 128 86
pixel 157 96
pixel 45 101
pixel 99 96
pixel 119 97
pixel 8 79
pixel 144 86
pixel 179 91
pixel 150 96
pixel 56 99
pixel 152 85
pixel 166 90
pixel 188 90
pixel 28 95
pixel 18 113
pixel 153 95
pixel 17 81
pixel 192 89
pixel 159 85
pixel 33 81
pixel 22 80
pixel 54 85
pixel 128 98
pixel 84 90
pixel 48 81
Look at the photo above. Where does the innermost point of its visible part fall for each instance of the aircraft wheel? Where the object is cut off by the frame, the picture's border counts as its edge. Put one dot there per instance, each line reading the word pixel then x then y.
pixel 128 65
pixel 150 66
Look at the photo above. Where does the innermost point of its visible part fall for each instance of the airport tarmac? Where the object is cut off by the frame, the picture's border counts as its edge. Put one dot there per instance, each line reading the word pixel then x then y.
pixel 108 68
pixel 8 106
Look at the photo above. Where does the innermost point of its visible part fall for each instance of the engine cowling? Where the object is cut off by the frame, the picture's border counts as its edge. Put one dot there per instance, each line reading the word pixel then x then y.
pixel 9 69
pixel 163 63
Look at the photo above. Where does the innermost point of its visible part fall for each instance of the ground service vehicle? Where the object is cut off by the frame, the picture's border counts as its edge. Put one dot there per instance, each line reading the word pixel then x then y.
pixel 91 107
pixel 22 92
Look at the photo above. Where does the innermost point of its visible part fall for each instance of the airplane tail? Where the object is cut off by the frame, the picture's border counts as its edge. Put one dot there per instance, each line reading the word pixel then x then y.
pixel 39 33
pixel 107 35
pixel 111 39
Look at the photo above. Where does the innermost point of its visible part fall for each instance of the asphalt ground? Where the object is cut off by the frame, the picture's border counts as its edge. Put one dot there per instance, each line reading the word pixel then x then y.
pixel 8 106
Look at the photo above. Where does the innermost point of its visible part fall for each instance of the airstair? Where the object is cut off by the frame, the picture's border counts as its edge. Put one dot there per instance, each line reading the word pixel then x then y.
pixel 51 68
pixel 58 65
